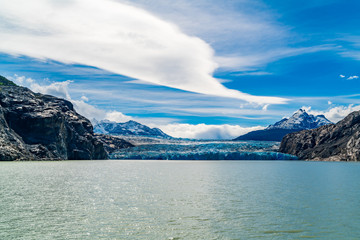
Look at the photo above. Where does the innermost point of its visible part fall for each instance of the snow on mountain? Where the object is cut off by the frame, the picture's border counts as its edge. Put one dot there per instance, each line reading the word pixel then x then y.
pixel 301 120
pixel 130 128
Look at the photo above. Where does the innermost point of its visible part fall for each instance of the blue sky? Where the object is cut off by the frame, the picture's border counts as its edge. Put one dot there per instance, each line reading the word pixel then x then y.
pixel 204 69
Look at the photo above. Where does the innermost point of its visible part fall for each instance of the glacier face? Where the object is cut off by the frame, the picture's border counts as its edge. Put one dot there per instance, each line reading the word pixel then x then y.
pixel 205 150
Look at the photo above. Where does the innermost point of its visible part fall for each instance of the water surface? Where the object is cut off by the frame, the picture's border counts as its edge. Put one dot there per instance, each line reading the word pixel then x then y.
pixel 179 200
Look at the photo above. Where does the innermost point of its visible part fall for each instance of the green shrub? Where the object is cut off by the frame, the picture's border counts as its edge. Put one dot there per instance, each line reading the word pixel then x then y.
pixel 5 82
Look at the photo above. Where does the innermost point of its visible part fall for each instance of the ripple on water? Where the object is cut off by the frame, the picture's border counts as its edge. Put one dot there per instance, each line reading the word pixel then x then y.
pixel 179 200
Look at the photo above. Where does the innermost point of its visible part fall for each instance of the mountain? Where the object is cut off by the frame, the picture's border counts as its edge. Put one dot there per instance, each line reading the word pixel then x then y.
pixel 34 126
pixel 300 120
pixel 130 128
pixel 334 142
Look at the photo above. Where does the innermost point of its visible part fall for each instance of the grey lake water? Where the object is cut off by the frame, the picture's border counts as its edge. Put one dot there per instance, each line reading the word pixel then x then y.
pixel 179 200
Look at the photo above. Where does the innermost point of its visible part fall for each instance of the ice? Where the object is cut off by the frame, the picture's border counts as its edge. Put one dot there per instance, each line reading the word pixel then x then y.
pixel 192 150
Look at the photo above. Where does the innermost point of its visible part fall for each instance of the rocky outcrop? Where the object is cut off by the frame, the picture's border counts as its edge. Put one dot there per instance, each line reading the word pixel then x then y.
pixel 335 142
pixel 113 143
pixel 41 127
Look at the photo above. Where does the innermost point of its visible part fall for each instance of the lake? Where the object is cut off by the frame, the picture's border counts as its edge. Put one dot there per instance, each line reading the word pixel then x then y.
pixel 179 200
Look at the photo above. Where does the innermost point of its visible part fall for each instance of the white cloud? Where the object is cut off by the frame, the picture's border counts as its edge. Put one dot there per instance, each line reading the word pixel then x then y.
pixel 61 90
pixel 199 131
pixel 338 113
pixel 353 77
pixel 203 131
pixel 84 98
pixel 116 37
pixel 254 60
pixel 58 89
pixel 351 50
pixel 116 116
pixel 246 34
pixel 89 111
pixel 342 76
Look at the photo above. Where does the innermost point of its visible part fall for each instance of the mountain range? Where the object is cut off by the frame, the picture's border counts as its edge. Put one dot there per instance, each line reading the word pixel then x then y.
pixel 130 128
pixel 300 120
pixel 35 126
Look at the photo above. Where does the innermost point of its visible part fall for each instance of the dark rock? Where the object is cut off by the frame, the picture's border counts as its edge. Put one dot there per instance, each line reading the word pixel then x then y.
pixel 41 127
pixel 266 135
pixel 113 143
pixel 334 142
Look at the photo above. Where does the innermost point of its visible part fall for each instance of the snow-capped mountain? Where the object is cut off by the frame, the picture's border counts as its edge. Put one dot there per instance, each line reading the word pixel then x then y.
pixel 130 128
pixel 300 120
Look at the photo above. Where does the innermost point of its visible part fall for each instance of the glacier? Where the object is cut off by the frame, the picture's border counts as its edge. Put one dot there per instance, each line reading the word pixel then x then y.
pixel 204 150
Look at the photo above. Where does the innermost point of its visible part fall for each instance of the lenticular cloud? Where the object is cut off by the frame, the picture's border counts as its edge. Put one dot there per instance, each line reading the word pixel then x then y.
pixel 116 37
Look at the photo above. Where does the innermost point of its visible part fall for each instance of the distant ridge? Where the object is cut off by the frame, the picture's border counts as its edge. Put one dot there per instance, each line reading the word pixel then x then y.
pixel 300 120
pixel 130 128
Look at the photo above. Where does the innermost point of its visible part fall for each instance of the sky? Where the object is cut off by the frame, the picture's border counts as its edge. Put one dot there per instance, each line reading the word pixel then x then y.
pixel 195 69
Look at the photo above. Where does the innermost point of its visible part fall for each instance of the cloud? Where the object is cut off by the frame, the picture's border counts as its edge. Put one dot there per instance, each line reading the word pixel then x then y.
pixel 84 98
pixel 115 37
pixel 203 131
pixel 157 101
pixel 252 73
pixel 336 114
pixel 252 61
pixel 61 90
pixel 342 76
pixel 89 111
pixel 351 47
pixel 116 116
pixel 245 34
pixel 199 131
pixel 352 77
pixel 58 89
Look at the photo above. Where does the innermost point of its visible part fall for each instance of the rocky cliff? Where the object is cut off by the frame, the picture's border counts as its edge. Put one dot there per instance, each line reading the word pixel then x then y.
pixel 41 127
pixel 334 142
pixel 113 143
